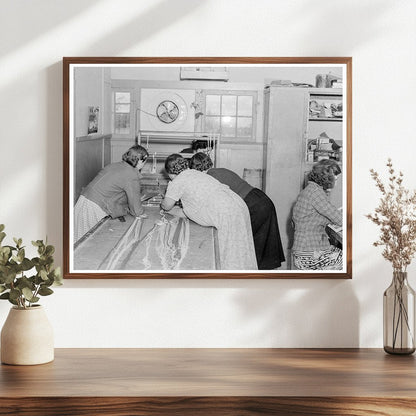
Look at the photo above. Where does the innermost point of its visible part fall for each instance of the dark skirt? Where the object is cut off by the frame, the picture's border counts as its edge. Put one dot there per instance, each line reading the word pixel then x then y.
pixel 266 235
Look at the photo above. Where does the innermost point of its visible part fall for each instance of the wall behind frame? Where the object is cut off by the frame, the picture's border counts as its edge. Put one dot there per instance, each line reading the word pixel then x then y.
pixel 378 35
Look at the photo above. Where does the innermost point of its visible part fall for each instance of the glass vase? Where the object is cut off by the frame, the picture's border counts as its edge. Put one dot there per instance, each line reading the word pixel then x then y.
pixel 399 316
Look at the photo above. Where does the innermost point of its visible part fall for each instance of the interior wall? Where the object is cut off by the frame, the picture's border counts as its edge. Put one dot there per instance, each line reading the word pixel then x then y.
pixel 88 92
pixel 236 74
pixel 380 36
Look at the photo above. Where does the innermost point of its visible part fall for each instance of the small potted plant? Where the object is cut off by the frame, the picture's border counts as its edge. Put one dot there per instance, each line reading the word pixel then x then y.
pixel 27 336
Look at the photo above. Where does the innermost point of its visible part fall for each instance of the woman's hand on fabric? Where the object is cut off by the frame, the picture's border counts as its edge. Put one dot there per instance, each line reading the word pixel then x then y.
pixel 167 204
pixel 177 211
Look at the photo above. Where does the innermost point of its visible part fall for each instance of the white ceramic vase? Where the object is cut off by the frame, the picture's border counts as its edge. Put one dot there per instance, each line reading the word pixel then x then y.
pixel 27 337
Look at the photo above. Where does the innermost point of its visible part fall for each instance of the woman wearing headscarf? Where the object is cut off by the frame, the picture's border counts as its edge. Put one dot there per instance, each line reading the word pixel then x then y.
pixel 208 202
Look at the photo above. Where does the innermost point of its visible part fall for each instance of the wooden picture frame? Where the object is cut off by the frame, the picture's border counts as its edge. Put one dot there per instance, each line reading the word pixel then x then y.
pixel 272 153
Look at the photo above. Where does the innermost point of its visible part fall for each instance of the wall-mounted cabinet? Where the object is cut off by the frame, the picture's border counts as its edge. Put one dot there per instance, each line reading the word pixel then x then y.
pixel 302 126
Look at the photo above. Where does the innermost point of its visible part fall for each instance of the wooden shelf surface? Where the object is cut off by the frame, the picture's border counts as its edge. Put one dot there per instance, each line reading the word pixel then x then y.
pixel 212 382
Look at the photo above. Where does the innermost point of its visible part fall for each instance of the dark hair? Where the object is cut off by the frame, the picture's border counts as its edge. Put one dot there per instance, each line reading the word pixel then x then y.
pixel 199 144
pixel 200 161
pixel 175 164
pixel 323 173
pixel 135 154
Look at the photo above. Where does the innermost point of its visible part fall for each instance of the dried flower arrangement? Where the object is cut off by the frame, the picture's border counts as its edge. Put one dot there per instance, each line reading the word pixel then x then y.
pixel 396 216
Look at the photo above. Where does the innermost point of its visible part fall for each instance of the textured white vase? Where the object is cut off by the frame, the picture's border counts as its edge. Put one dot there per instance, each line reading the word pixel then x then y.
pixel 27 337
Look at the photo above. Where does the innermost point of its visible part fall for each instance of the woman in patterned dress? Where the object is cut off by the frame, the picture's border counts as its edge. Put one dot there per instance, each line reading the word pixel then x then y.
pixel 208 202
pixel 312 212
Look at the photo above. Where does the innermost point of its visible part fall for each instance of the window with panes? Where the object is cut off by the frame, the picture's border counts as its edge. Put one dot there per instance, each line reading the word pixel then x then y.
pixel 121 112
pixel 230 113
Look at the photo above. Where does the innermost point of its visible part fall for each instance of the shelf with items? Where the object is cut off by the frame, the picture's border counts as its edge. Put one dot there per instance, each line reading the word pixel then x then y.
pixel 323 147
pixel 323 133
pixel 325 107
pixel 335 119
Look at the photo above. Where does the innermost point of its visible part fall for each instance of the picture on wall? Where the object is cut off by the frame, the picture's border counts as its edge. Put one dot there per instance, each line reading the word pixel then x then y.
pixel 207 168
pixel 93 113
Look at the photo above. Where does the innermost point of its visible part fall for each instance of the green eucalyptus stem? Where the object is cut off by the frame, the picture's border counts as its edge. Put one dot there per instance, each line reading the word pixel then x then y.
pixel 21 302
pixel 35 293
pixel 23 280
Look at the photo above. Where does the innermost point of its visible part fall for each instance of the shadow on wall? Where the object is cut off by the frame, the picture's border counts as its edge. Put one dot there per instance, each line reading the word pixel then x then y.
pixel 133 32
pixel 4 311
pixel 44 17
pixel 360 32
pixel 157 18
pixel 300 313
pixel 287 313
pixel 127 35
pixel 309 313
pixel 54 146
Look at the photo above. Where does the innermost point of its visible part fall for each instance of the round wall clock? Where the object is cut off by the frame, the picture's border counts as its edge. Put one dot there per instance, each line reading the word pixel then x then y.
pixel 167 111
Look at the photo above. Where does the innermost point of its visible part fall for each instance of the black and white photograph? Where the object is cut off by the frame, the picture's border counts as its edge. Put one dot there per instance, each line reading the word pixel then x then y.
pixel 217 167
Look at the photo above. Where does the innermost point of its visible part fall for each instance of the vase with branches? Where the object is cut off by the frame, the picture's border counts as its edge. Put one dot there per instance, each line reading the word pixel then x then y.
pixel 396 217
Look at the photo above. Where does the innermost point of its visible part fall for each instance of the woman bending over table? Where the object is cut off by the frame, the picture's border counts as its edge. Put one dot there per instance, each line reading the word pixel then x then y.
pixel 115 191
pixel 264 225
pixel 211 203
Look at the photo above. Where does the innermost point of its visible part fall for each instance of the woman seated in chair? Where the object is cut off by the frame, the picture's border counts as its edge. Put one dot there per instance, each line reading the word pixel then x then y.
pixel 312 212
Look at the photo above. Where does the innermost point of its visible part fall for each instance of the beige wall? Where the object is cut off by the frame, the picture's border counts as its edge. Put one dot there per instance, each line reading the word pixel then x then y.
pixel 236 74
pixel 88 91
pixel 380 36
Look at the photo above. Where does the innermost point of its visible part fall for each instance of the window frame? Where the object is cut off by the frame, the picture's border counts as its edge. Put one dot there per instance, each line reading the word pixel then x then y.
pixel 113 104
pixel 237 93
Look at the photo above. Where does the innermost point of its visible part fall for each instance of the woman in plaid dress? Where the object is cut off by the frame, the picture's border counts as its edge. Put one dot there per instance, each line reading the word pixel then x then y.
pixel 311 214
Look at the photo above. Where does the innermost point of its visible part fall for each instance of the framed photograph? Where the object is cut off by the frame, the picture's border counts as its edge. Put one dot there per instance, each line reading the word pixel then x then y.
pixel 207 168
pixel 93 119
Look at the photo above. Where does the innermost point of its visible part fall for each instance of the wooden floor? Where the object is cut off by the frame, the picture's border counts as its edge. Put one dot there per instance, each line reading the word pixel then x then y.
pixel 212 382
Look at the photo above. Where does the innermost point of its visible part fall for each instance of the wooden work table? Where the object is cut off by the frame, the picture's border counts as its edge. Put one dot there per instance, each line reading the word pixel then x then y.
pixel 212 382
